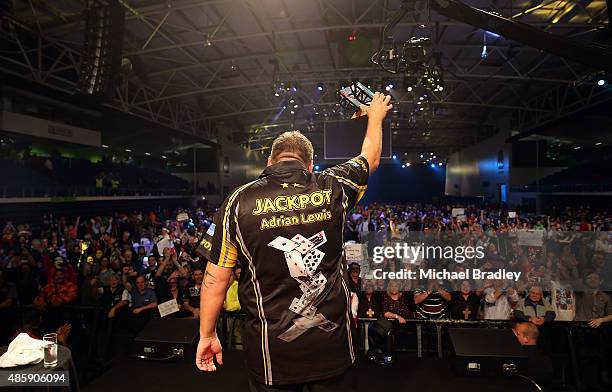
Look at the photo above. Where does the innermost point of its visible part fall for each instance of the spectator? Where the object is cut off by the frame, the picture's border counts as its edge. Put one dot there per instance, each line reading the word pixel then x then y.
pixel 191 301
pixel 27 285
pixel 113 298
pixel 370 305
pixel 563 299
pixel 395 305
pixel 499 300
pixel 143 304
pixel 57 293
pixel 535 308
pixel 593 304
pixel 431 301
pixel 355 281
pixel 464 304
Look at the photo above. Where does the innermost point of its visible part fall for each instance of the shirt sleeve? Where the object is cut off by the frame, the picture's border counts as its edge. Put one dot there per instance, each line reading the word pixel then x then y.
pixel 218 245
pixel 353 176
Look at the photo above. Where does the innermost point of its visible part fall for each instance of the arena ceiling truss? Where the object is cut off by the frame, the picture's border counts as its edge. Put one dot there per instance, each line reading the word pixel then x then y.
pixel 209 66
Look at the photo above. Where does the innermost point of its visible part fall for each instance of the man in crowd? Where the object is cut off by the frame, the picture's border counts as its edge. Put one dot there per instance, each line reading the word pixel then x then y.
pixel 143 304
pixel 593 304
pixel 191 300
pixel 431 300
pixel 499 300
pixel 465 303
pixel 57 293
pixel 534 308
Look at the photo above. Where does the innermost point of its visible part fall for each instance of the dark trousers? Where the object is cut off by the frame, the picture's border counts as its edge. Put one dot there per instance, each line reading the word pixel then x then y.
pixel 344 382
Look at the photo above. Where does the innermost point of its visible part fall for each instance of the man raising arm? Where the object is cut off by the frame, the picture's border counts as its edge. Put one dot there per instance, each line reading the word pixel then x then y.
pixel 372 142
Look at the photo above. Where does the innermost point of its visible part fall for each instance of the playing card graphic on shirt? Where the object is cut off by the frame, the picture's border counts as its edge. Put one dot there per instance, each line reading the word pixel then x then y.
pixel 303 259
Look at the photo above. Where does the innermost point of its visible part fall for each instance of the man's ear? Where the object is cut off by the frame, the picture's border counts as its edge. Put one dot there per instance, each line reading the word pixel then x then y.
pixel 310 166
pixel 270 161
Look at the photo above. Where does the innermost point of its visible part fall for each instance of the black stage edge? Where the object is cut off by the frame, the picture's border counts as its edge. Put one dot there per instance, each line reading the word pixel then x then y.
pixel 406 374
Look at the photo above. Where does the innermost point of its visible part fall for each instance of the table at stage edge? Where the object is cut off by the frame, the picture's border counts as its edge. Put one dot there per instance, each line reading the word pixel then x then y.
pixel 64 363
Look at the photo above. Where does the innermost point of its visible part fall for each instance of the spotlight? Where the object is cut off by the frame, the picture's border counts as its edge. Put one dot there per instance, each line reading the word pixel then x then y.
pixel 291 100
pixel 296 106
pixel 164 157
pixel 601 82
pixel 148 154
pixel 276 94
pixel 316 167
pixel 431 153
pixel 394 156
pixel 439 163
pixel 292 112
pixel 577 148
pixel 128 150
pixel 432 165
pixel 403 166
pixel 409 88
pixel 434 157
pixel 389 87
pixel 104 146
pixel 320 86
pixel 408 164
pixel 422 156
pixel 598 143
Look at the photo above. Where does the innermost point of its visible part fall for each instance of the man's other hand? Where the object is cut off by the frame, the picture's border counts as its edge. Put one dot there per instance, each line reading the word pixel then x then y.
pixel 208 348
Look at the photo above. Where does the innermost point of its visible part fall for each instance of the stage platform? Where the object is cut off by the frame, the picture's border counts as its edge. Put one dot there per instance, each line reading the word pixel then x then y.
pixel 407 374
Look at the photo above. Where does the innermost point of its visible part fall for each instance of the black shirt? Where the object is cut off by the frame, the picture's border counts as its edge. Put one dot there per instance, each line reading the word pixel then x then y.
pixel 369 307
pixel 459 304
pixel 192 295
pixel 286 230
pixel 111 297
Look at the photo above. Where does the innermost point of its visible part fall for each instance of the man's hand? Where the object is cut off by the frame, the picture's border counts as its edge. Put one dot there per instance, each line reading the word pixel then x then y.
pixel 537 320
pixel 208 348
pixel 137 310
pixel 379 107
pixel 595 323
pixel 111 313
pixel 401 320
pixel 196 312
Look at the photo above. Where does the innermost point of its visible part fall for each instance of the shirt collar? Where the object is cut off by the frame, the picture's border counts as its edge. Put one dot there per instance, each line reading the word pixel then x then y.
pixel 288 166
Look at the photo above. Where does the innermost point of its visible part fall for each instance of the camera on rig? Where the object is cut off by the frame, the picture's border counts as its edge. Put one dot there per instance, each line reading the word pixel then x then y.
pixel 413 51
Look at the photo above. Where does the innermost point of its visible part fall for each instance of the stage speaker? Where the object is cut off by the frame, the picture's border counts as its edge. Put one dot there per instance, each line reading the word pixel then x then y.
pixel 490 352
pixel 102 55
pixel 167 339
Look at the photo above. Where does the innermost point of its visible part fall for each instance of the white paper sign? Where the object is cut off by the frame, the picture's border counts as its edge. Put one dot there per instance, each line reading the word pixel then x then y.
pixel 168 307
pixel 182 217
pixel 164 243
pixel 530 237
pixel 511 214
pixel 458 211
pixel 354 253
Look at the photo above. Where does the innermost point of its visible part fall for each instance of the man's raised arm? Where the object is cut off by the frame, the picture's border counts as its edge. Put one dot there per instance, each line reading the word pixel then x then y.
pixel 372 142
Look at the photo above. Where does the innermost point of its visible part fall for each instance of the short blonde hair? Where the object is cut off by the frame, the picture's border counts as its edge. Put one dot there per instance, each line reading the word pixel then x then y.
pixel 293 143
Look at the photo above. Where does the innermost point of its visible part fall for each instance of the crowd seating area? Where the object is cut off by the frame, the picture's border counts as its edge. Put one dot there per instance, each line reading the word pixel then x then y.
pixel 97 279
pixel 591 176
pixel 34 176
